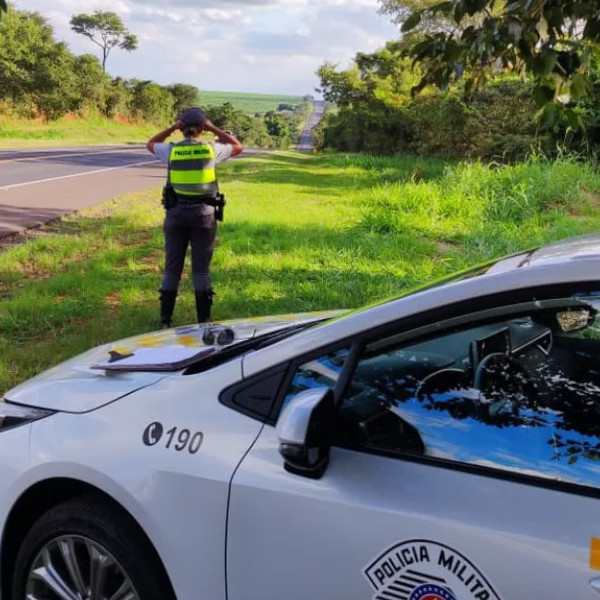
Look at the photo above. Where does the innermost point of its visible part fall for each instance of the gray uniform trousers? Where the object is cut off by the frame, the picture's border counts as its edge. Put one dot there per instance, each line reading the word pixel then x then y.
pixel 184 225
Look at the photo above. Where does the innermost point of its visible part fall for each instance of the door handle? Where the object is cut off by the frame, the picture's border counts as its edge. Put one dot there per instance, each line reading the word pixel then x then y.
pixel 595 584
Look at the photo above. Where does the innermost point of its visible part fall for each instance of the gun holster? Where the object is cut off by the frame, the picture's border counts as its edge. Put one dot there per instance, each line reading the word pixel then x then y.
pixel 169 198
pixel 219 206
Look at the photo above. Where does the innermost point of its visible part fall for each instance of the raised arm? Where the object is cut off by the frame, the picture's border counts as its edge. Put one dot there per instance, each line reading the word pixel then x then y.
pixel 223 137
pixel 161 136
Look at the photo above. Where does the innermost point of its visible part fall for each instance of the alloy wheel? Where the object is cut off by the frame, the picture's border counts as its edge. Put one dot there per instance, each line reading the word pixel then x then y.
pixel 74 567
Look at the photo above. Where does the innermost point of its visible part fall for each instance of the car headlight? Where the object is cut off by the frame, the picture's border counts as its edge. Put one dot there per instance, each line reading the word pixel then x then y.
pixel 13 415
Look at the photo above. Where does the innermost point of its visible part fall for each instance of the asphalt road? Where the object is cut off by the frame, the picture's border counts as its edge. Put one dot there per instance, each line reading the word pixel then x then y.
pixel 38 185
pixel 305 144
pixel 27 167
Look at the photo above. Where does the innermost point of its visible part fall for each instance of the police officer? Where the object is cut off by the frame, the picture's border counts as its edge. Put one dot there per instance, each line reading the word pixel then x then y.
pixel 191 218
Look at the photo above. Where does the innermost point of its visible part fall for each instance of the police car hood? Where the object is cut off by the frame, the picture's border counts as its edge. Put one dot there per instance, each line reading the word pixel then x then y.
pixel 89 381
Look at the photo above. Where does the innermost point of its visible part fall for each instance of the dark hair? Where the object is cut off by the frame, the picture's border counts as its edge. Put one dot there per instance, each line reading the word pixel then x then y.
pixel 192 130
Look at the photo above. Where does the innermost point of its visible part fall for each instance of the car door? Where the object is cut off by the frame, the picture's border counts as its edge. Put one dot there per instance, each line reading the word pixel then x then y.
pixel 465 464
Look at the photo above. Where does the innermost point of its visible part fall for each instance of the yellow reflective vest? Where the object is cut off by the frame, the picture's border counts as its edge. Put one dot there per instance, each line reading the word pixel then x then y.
pixel 192 169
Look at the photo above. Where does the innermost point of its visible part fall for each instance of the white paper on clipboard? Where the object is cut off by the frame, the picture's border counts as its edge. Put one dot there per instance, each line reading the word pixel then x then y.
pixel 155 359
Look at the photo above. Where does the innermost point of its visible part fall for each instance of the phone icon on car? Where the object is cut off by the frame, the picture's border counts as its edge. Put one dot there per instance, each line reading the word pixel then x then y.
pixel 153 433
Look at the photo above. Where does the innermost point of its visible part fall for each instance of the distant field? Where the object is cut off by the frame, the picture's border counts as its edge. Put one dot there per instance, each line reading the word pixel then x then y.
pixel 250 103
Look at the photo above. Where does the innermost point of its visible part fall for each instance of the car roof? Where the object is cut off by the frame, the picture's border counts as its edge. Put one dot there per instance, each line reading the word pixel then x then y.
pixel 565 251
pixel 570 261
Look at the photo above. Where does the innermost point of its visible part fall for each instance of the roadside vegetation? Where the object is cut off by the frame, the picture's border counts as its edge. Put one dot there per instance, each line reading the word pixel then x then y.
pixel 16 132
pixel 302 232
pixel 493 80
pixel 370 108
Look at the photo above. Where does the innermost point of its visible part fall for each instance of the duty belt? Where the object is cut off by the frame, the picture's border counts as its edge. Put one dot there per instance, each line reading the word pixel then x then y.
pixel 217 201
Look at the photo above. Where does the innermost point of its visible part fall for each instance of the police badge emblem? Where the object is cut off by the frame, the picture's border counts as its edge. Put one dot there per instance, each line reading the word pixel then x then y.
pixel 427 570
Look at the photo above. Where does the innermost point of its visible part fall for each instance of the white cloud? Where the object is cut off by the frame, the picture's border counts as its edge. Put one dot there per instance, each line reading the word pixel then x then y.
pixel 156 14
pixel 200 56
pixel 217 14
pixel 78 6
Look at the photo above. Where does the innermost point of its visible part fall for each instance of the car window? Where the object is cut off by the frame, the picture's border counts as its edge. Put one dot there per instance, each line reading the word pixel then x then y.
pixel 322 371
pixel 520 394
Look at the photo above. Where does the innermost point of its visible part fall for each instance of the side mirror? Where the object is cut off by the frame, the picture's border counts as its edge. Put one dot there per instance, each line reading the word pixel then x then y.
pixel 304 432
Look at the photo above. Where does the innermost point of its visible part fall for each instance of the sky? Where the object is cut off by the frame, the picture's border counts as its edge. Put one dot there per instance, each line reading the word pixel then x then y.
pixel 266 46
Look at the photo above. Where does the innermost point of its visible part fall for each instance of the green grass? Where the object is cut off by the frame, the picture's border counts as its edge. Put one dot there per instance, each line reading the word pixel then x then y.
pixel 249 103
pixel 302 232
pixel 15 132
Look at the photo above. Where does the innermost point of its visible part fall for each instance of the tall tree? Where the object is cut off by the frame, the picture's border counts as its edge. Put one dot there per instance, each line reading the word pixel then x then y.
pixel 3 7
pixel 105 29
pixel 557 42
pixel 34 68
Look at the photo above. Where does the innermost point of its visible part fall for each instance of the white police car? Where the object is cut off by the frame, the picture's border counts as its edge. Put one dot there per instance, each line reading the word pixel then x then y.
pixel 440 446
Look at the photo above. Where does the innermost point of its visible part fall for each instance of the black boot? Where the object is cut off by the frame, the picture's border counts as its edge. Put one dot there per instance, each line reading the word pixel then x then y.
pixel 204 300
pixel 167 306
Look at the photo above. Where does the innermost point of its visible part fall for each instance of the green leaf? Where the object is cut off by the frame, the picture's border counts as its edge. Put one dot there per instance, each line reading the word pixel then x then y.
pixel 543 94
pixel 459 11
pixel 544 62
pixel 442 7
pixel 470 86
pixel 412 21
pixel 547 116
pixel 573 119
pixel 580 86
pixel 573 459
pixel 474 6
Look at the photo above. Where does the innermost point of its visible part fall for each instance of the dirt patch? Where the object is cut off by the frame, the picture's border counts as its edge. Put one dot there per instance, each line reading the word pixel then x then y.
pixel 152 262
pixel 123 119
pixel 16 239
pixel 447 247
pixel 113 302
pixel 592 197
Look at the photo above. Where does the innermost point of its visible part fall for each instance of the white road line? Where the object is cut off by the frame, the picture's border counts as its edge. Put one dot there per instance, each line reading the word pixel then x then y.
pixel 70 154
pixel 16 185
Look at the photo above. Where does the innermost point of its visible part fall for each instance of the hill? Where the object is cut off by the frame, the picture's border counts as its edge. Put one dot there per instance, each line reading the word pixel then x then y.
pixel 249 103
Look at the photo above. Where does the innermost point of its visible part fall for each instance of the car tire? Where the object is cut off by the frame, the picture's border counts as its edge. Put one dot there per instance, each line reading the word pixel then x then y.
pixel 87 527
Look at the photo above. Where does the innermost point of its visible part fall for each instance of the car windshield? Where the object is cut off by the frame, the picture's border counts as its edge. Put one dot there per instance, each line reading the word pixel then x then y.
pixel 506 263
